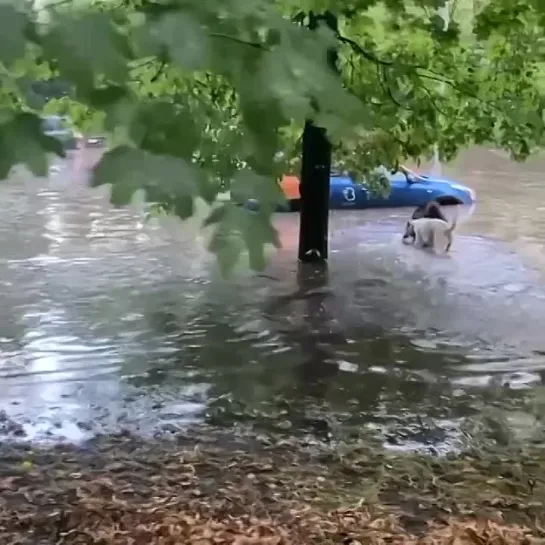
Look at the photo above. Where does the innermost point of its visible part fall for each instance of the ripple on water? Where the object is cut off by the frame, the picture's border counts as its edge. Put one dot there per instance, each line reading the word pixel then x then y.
pixel 111 322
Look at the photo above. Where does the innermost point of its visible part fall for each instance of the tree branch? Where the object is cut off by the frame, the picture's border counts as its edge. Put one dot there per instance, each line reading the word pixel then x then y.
pixel 160 70
pixel 357 48
pixel 457 88
pixel 255 45
pixel 430 75
pixel 365 54
pixel 381 69
pixel 433 103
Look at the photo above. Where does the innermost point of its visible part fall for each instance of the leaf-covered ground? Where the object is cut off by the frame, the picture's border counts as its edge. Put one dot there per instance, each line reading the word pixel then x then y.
pixel 213 489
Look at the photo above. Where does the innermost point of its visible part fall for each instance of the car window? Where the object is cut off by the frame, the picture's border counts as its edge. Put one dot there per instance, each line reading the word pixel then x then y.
pixel 379 170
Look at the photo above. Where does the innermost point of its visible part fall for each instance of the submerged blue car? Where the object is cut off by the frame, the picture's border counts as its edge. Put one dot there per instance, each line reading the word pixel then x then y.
pixel 407 188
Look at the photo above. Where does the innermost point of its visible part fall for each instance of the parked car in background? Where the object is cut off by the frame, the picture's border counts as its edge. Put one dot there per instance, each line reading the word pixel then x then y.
pixel 60 127
pixel 94 141
pixel 407 188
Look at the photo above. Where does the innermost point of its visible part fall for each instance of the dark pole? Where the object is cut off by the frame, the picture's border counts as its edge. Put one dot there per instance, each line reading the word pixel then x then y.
pixel 315 173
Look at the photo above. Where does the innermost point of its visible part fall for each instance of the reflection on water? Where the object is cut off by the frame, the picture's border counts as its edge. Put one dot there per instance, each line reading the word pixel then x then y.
pixel 108 321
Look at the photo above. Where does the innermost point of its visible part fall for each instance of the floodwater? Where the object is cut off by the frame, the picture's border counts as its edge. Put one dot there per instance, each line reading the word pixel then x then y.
pixel 108 321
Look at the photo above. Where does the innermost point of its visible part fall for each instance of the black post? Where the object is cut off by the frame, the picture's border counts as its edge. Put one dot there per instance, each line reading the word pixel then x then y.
pixel 315 173
pixel 314 189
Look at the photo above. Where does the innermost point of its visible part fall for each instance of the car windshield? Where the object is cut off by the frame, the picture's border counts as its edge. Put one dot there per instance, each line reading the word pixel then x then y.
pixel 338 172
pixel 410 174
pixel 54 123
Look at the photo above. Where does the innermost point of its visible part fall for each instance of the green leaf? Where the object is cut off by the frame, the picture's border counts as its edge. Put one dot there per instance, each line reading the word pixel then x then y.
pixel 163 127
pixel 85 46
pixel 184 207
pixel 228 248
pixel 226 242
pixel 216 215
pixel 265 189
pixel 239 229
pixel 104 97
pixel 12 34
pixel 129 170
pixel 185 39
pixel 22 142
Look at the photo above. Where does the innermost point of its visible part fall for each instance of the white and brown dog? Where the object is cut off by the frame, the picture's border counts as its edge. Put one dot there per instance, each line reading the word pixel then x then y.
pixel 432 209
pixel 432 233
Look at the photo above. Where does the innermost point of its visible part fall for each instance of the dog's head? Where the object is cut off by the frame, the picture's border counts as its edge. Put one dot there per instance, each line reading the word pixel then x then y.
pixel 432 209
pixel 420 212
pixel 409 233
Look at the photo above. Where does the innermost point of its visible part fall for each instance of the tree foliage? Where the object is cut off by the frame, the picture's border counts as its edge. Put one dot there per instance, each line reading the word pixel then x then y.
pixel 203 96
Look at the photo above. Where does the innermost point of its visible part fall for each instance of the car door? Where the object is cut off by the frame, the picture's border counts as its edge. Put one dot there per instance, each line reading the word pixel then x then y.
pixel 345 194
pixel 375 200
pixel 401 191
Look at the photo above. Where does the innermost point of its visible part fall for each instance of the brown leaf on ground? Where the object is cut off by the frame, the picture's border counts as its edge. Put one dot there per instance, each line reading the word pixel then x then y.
pixel 161 495
pixel 476 532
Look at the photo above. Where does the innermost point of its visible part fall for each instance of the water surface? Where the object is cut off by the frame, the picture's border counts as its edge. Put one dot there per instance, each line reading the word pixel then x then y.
pixel 109 321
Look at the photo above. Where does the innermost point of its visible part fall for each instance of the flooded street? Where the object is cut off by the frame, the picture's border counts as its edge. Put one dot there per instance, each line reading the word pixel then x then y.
pixel 107 321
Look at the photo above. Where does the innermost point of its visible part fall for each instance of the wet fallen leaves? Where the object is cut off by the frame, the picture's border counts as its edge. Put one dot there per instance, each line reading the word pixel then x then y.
pixel 122 490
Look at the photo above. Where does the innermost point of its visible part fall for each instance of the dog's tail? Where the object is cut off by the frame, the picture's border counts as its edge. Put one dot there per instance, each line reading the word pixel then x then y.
pixel 453 224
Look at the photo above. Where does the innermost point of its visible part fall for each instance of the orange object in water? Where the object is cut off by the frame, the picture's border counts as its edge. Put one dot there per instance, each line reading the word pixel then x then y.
pixel 290 187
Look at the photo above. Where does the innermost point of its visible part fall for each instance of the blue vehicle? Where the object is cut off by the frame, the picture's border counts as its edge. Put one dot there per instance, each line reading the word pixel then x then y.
pixel 407 188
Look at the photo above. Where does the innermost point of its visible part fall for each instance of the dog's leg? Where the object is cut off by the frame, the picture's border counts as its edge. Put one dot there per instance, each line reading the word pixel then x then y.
pixel 439 241
pixel 420 238
pixel 423 236
pixel 446 241
pixel 433 242
pixel 449 243
pixel 408 235
pixel 418 241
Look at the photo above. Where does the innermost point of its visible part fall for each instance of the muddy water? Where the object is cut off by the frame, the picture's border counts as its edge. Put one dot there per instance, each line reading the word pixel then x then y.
pixel 107 321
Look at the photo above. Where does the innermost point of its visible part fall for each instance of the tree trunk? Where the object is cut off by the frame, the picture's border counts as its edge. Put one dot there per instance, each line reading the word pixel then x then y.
pixel 315 173
pixel 314 189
